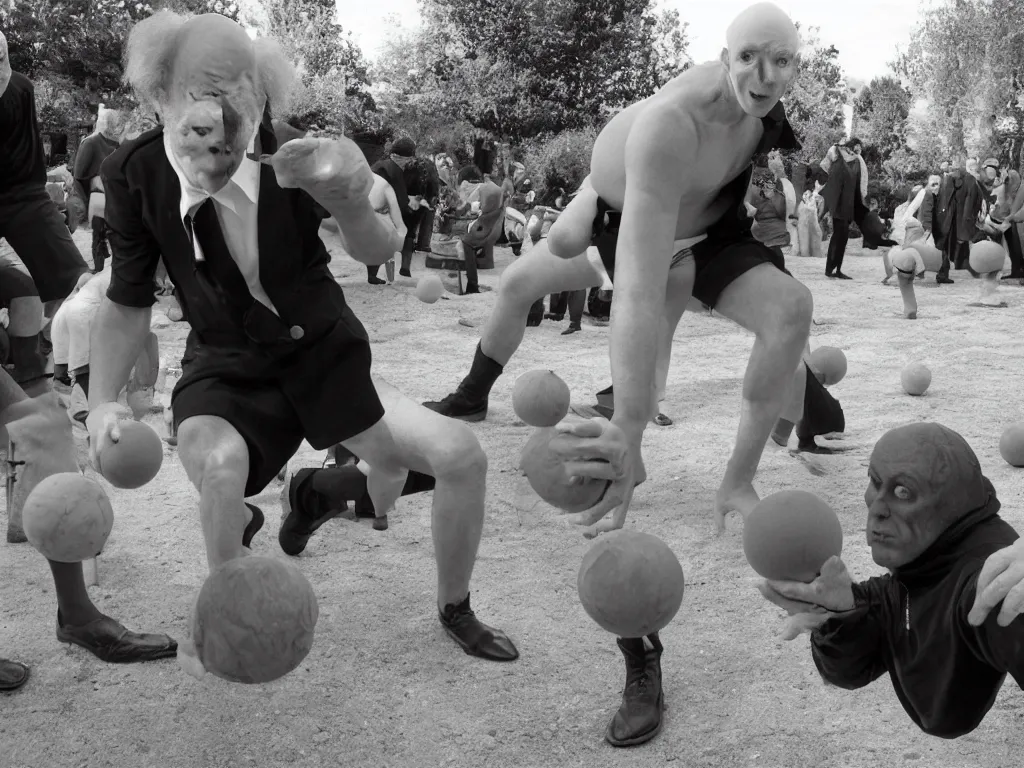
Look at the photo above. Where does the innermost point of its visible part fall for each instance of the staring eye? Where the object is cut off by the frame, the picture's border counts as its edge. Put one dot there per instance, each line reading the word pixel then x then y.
pixel 783 62
pixel 901 492
pixel 746 57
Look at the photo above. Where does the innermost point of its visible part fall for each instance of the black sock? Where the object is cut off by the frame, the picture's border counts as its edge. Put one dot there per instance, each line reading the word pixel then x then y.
pixel 347 483
pixel 484 372
pixel 822 412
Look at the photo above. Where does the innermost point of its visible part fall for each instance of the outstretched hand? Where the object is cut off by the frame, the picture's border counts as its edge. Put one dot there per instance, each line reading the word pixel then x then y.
pixel 597 449
pixel 1001 580
pixel 333 171
pixel 811 605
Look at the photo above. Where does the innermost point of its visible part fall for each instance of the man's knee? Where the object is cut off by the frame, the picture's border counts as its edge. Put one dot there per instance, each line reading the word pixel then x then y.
pixel 459 454
pixel 797 309
pixel 215 456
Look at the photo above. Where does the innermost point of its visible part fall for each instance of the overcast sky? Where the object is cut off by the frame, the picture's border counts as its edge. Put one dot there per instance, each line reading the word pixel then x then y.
pixel 865 32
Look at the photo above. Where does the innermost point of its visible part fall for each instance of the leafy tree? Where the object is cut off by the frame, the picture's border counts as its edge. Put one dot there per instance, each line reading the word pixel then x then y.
pixel 814 103
pixel 882 109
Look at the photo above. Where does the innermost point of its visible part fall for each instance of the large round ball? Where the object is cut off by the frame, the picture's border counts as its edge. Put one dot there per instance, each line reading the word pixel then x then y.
pixel 830 362
pixel 540 398
pixel 916 378
pixel 904 259
pixel 789 535
pixel 67 517
pixel 429 289
pixel 1011 445
pixel 547 476
pixel 254 620
pixel 987 256
pixel 133 460
pixel 930 255
pixel 630 583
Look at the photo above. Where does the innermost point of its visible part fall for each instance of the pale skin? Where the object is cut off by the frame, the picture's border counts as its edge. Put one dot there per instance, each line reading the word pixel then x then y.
pixel 215 457
pixel 665 173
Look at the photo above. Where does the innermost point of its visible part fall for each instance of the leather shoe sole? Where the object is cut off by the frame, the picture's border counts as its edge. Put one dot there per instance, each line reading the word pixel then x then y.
pixel 13 675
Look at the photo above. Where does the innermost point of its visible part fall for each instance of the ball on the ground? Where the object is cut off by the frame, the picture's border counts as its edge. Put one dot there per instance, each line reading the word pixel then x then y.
pixel 903 259
pixel 67 517
pixel 987 256
pixel 429 289
pixel 133 460
pixel 930 255
pixel 789 535
pixel 540 398
pixel 547 476
pixel 916 378
pixel 630 583
pixel 830 362
pixel 254 620
pixel 174 314
pixel 1011 445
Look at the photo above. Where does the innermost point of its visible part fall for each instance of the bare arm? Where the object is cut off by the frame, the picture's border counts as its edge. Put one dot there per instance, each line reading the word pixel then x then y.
pixel 364 236
pixel 657 152
pixel 915 206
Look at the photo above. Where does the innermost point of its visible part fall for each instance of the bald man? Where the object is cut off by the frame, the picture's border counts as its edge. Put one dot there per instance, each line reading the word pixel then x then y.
pixel 933 521
pixel 276 356
pixel 664 207
pixel 48 264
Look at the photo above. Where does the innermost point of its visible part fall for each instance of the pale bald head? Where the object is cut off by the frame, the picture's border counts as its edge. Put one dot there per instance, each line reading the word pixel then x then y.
pixel 5 65
pixel 762 24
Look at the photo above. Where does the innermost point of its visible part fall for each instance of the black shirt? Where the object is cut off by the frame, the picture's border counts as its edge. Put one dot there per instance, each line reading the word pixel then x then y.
pixel 912 624
pixel 93 150
pixel 22 162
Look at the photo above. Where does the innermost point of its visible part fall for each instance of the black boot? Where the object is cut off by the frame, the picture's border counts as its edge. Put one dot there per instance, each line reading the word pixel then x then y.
pixel 304 512
pixel 643 702
pixel 475 637
pixel 469 401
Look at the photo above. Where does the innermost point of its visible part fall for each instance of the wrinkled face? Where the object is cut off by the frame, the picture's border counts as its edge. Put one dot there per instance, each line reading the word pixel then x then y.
pixel 761 57
pixel 933 184
pixel 920 479
pixel 5 65
pixel 214 104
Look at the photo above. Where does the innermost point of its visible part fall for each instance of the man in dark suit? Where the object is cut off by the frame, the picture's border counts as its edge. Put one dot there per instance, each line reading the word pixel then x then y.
pixel 277 355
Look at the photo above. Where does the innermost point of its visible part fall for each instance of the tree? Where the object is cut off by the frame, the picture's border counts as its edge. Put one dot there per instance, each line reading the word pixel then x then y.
pixel 882 109
pixel 814 102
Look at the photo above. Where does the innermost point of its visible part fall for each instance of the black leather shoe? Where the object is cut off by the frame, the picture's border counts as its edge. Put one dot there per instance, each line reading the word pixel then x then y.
pixel 13 675
pixel 254 525
pixel 842 276
pixel 458 405
pixel 643 702
pixel 944 280
pixel 109 641
pixel 302 515
pixel 475 637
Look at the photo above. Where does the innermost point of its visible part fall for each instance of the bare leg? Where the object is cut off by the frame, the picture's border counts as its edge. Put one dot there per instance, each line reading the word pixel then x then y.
pixel 778 310
pixel 216 459
pixel 678 291
pixel 909 299
pixel 571 233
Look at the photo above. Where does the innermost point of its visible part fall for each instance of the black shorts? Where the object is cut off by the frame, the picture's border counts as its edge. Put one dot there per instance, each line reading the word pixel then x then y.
pixel 716 268
pixel 36 230
pixel 322 393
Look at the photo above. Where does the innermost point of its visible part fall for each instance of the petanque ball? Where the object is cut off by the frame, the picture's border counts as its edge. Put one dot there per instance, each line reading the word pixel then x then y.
pixel 547 476
pixel 829 362
pixel 630 583
pixel 68 517
pixel 540 398
pixel 916 378
pixel 789 535
pixel 429 289
pixel 133 460
pixel 987 256
pixel 1011 445
pixel 254 620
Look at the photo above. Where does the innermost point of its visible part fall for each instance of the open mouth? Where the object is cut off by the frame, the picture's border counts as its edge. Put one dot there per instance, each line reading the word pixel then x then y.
pixel 758 97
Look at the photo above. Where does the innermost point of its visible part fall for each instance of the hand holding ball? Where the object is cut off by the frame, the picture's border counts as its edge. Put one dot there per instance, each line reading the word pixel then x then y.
pixel 546 473
pixel 789 535
pixel 333 171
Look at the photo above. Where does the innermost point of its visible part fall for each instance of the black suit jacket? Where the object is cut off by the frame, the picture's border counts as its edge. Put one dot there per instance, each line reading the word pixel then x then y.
pixel 144 224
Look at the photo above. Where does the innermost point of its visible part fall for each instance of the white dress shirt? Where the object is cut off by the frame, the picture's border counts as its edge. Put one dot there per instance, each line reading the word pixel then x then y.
pixel 236 205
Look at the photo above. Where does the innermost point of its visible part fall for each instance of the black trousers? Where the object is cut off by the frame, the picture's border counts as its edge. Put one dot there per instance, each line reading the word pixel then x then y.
pixel 574 301
pixel 837 245
pixel 100 250
pixel 1013 245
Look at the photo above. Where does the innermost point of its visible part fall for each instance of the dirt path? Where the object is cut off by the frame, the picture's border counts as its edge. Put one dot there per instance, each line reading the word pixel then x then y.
pixel 383 686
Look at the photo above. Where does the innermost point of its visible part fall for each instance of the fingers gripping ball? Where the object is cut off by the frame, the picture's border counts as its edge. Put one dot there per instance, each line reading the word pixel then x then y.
pixel 789 535
pixel 429 289
pixel 630 583
pixel 133 460
pixel 254 620
pixel 1011 445
pixel 916 378
pixel 987 256
pixel 829 362
pixel 540 398
pixel 68 517
pixel 547 476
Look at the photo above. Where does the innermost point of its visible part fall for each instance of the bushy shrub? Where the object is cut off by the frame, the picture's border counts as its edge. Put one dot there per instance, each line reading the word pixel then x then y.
pixel 562 161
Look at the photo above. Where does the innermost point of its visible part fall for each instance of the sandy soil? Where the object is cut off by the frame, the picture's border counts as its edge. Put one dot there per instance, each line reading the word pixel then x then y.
pixel 383 686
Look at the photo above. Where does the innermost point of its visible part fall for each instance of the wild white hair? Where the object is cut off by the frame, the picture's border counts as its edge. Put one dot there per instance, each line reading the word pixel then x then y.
pixel 149 61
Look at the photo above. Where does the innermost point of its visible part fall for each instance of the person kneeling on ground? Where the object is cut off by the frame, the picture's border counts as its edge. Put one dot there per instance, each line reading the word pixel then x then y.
pixel 932 521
